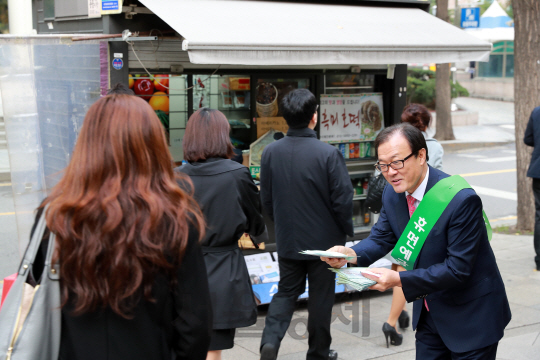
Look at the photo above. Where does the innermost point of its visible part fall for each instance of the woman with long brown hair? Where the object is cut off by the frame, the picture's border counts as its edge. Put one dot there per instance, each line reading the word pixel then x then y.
pixel 231 205
pixel 133 277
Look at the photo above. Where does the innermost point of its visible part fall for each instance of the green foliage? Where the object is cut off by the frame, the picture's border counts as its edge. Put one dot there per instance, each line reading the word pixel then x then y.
pixel 421 88
pixel 4 22
pixel 458 91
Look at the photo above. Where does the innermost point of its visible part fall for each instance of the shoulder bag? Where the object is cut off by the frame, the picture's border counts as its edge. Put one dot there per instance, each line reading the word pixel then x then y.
pixel 376 186
pixel 30 318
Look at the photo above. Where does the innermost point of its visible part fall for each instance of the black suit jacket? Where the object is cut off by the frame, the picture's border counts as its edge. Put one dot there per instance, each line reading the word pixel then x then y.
pixel 307 191
pixel 532 138
pixel 456 271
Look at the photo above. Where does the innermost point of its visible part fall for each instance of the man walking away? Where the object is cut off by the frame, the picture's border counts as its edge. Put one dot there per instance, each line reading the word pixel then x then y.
pixel 307 191
pixel 532 138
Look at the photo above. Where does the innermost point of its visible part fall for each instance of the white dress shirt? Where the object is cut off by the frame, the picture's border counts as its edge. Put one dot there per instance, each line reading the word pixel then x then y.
pixel 418 194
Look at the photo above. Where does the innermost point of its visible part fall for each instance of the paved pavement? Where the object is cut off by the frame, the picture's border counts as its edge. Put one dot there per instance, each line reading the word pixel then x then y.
pixel 356 330
pixel 495 125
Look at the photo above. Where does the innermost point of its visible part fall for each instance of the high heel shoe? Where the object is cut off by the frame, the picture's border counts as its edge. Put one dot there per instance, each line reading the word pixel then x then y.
pixel 390 331
pixel 403 320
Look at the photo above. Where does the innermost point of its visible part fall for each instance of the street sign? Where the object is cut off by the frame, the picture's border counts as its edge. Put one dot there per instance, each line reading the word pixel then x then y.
pixel 470 18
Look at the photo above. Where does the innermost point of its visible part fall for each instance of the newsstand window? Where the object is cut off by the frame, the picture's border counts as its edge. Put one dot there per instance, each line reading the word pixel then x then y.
pixel 269 119
pixel 167 95
pixel 351 116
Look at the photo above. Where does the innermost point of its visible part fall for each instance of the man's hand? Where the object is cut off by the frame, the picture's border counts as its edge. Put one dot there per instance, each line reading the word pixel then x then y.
pixel 337 262
pixel 388 279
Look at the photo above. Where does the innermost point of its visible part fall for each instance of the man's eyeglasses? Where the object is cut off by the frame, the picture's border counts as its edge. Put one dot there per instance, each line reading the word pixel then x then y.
pixel 396 165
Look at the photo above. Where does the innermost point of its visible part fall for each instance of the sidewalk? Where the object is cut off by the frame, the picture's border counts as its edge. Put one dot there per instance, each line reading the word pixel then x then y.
pixel 521 341
pixel 495 125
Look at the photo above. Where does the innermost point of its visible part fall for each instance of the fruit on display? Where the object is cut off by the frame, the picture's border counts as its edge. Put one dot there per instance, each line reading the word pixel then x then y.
pixel 160 101
pixel 164 118
pixel 161 83
pixel 131 81
pixel 144 88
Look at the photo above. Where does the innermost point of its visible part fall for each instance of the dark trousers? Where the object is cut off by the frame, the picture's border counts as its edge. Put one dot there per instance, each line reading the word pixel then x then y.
pixel 429 345
pixel 292 283
pixel 536 192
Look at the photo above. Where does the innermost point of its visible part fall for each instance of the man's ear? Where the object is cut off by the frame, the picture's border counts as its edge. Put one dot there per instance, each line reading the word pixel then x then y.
pixel 314 120
pixel 422 154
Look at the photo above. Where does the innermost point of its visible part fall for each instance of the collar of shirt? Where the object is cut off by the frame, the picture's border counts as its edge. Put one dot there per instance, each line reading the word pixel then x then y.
pixel 303 132
pixel 418 194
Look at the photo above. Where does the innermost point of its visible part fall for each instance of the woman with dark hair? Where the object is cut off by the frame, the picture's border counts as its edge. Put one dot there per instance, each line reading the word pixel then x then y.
pixel 420 117
pixel 231 205
pixel 133 278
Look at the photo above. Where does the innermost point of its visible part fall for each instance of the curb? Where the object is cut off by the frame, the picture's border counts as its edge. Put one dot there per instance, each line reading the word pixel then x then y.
pixel 452 146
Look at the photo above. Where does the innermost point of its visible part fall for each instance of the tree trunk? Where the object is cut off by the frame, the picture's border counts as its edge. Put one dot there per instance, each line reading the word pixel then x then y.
pixel 443 96
pixel 526 95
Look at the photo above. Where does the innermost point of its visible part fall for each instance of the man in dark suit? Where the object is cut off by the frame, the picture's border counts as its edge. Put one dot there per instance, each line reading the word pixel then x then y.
pixel 532 138
pixel 460 305
pixel 307 191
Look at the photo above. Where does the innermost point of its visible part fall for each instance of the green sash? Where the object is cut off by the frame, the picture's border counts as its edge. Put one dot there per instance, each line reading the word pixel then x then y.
pixel 424 218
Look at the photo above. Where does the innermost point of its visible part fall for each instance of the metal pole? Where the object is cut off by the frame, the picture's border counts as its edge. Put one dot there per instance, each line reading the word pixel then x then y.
pixel 20 17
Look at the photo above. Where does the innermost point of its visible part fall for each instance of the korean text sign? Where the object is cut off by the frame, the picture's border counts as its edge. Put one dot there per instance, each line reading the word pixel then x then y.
pixel 356 117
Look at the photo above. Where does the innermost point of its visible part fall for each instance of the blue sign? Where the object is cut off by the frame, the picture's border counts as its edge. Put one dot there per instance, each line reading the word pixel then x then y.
pixel 109 5
pixel 117 63
pixel 264 292
pixel 470 18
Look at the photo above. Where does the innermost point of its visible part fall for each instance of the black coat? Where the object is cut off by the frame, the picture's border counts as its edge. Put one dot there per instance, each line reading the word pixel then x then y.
pixel 532 138
pixel 306 189
pixel 178 321
pixel 231 205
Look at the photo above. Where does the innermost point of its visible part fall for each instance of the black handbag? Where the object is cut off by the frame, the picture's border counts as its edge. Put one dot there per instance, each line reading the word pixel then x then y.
pixel 376 186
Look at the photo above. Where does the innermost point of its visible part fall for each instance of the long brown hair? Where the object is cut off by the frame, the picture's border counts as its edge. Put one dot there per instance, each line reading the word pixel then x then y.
pixel 207 136
pixel 118 213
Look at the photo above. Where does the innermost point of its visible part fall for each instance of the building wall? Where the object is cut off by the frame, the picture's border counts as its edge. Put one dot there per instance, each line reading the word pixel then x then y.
pixel 488 88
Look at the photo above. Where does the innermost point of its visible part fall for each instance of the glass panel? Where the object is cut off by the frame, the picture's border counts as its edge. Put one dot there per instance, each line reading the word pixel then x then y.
pixel 167 95
pixel 48 9
pixel 510 66
pixel 231 95
pixel 339 84
pixel 493 68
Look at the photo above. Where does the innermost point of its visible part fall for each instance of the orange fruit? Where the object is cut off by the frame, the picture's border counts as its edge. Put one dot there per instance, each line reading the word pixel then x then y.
pixel 131 81
pixel 160 101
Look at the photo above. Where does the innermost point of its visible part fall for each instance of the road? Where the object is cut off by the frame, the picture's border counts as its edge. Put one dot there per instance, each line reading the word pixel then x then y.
pixel 492 173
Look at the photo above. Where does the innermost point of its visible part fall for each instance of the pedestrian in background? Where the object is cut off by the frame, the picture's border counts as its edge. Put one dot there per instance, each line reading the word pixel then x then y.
pixel 419 116
pixel 307 191
pixel 132 273
pixel 532 138
pixel 231 205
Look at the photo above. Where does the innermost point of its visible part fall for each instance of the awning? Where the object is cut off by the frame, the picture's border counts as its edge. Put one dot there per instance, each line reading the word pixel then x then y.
pixel 242 32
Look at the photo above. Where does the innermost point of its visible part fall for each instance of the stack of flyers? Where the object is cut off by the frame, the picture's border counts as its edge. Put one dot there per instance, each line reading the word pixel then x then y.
pixel 329 254
pixel 354 278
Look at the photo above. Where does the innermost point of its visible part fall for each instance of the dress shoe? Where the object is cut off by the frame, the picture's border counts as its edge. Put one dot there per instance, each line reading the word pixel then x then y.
pixel 332 355
pixel 391 332
pixel 404 320
pixel 268 352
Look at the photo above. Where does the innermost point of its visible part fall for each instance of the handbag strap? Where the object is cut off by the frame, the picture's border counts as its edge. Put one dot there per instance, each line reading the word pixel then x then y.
pixel 33 246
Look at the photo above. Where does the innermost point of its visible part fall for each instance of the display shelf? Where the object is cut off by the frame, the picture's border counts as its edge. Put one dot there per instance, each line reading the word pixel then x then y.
pixel 363 161
pixel 359 229
pixel 359 197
